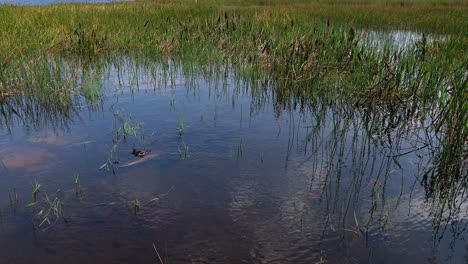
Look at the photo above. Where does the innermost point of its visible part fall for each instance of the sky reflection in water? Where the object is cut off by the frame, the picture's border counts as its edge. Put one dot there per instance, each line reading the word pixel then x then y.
pixel 247 180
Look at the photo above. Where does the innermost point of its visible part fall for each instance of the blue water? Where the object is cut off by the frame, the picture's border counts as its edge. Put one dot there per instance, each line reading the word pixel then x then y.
pixel 259 182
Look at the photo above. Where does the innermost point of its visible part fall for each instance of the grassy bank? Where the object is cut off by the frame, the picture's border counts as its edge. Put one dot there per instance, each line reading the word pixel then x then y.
pixel 304 43
pixel 39 29
pixel 297 44
pixel 434 16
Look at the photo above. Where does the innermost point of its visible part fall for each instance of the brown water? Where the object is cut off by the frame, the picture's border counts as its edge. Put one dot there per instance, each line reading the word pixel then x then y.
pixel 246 181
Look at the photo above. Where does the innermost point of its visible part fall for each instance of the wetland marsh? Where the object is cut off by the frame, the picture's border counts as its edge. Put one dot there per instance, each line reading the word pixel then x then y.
pixel 234 132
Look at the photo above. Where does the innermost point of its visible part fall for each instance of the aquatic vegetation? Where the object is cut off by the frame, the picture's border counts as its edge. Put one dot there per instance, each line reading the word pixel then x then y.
pixel 301 60
pixel 129 128
pixel 240 144
pixel 77 181
pixel 184 152
pixel 92 90
pixel 13 196
pixel 172 103
pixel 111 159
pixel 161 196
pixel 136 205
pixel 123 122
pixel 157 254
pixel 51 214
pixel 180 126
pixel 47 212
pixel 36 187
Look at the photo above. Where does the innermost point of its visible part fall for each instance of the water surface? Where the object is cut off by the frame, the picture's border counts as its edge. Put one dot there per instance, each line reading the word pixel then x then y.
pixel 249 179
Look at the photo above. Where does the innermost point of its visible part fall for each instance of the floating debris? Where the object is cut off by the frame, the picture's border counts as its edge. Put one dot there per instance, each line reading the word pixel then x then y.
pixel 141 160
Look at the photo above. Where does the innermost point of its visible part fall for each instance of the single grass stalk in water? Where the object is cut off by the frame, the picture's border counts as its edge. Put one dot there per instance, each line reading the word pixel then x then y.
pixel 14 199
pixel 184 152
pixel 159 197
pixel 77 181
pixel 157 254
pixel 239 147
pixel 36 186
pixel 180 126
pixel 136 206
pixel 172 102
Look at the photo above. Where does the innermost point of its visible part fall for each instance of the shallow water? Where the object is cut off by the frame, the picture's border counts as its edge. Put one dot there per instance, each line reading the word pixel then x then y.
pixel 248 180
pixel 398 40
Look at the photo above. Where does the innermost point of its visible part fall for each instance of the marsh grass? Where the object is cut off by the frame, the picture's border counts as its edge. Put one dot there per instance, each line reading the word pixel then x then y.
pixel 303 58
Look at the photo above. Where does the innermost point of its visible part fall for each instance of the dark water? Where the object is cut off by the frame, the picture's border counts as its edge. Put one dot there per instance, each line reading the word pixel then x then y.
pixel 248 180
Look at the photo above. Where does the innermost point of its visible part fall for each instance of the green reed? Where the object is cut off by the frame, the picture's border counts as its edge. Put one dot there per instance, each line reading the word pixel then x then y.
pixel 289 48
pixel 77 181
pixel 36 187
pixel 180 126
